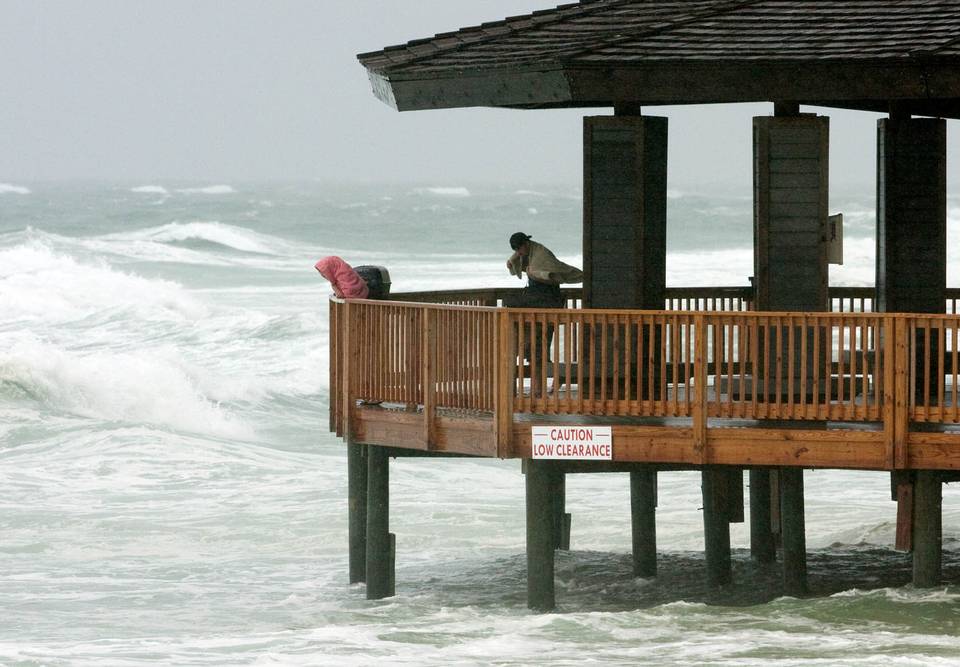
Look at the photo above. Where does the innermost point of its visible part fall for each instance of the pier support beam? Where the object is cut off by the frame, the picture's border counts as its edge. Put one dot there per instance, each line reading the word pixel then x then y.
pixel 911 215
pixel 561 519
pixel 716 528
pixel 793 526
pixel 540 535
pixel 643 520
pixel 790 211
pixel 763 547
pixel 381 543
pixel 625 236
pixel 357 511
pixel 927 529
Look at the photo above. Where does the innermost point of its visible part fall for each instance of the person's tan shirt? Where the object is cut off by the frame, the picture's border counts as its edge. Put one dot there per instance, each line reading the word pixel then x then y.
pixel 543 266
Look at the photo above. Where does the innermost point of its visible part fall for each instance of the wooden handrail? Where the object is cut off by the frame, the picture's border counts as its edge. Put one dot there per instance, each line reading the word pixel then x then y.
pixel 886 368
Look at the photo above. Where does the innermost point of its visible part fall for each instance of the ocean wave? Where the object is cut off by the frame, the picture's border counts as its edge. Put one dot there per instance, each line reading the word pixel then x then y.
pixel 38 283
pixel 148 386
pixel 13 189
pixel 150 189
pixel 443 191
pixel 238 238
pixel 208 190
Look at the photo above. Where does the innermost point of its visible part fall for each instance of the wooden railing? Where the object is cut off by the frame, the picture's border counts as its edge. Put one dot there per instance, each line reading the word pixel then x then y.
pixel 842 299
pixel 841 367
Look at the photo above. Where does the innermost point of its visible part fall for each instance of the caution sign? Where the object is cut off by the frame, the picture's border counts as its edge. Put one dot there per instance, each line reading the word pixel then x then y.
pixel 594 443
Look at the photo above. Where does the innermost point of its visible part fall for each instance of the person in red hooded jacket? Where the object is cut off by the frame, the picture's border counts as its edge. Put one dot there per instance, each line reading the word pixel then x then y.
pixel 347 283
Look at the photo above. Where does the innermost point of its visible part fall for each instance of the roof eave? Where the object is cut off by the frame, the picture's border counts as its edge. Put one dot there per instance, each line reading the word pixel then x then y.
pixel 669 83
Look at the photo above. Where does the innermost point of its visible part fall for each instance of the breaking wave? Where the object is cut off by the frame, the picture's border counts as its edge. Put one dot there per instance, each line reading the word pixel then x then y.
pixel 150 189
pixel 13 189
pixel 147 386
pixel 230 236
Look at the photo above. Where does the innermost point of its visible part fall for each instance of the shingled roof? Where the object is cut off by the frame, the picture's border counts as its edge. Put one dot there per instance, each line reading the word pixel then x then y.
pixel 861 54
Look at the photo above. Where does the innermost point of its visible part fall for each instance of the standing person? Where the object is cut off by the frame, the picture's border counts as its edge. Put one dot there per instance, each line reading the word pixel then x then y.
pixel 346 283
pixel 545 273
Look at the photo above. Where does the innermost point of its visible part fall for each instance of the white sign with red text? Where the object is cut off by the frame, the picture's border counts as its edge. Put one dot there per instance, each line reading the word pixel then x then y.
pixel 594 443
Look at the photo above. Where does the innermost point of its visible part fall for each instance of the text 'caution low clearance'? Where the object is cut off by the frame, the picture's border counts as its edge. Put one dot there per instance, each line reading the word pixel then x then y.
pixel 573 442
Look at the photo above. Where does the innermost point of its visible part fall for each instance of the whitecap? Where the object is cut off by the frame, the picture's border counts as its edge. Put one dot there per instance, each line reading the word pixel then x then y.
pixel 39 284
pixel 529 193
pixel 231 236
pixel 208 190
pixel 442 191
pixel 150 189
pixel 532 211
pixel 13 189
pixel 143 386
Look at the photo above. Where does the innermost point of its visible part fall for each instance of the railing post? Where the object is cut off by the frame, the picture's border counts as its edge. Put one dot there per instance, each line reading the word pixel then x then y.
pixel 428 342
pixel 700 386
pixel 503 384
pixel 348 368
pixel 901 392
pixel 889 358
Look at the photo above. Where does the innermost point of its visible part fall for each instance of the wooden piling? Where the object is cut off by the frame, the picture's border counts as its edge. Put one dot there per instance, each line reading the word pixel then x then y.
pixel 561 519
pixel 357 511
pixel 927 529
pixel 643 521
pixel 762 544
pixel 540 540
pixel 716 529
pixel 793 527
pixel 380 543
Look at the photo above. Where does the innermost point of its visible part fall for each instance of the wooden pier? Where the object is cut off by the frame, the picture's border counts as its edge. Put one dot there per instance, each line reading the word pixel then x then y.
pixel 785 375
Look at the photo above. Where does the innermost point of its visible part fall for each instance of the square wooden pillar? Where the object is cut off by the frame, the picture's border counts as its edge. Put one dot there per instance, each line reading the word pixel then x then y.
pixel 790 212
pixel 911 215
pixel 624 211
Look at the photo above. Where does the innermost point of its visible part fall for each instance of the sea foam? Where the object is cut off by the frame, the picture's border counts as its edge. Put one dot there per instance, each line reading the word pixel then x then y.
pixel 208 190
pixel 443 191
pixel 37 283
pixel 147 386
pixel 150 189
pixel 9 188
pixel 238 238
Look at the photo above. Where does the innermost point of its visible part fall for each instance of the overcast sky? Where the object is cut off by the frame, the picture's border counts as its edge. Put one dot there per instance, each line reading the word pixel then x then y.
pixel 156 90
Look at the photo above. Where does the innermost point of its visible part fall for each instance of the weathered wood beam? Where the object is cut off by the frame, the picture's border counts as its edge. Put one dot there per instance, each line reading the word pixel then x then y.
pixel 643 522
pixel 380 542
pixel 539 506
pixel 357 511
pixel 762 544
pixel 927 529
pixel 793 525
pixel 716 529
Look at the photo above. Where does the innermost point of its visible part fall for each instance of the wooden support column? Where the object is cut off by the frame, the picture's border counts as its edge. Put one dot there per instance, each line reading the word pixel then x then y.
pixel 762 544
pixel 540 540
pixel 380 542
pixel 716 528
pixel 927 529
pixel 561 519
pixel 357 511
pixel 793 529
pixel 625 231
pixel 643 520
pixel 912 226
pixel 911 215
pixel 790 180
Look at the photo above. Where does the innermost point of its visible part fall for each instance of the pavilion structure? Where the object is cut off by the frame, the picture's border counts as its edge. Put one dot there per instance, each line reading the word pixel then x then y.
pixel 772 379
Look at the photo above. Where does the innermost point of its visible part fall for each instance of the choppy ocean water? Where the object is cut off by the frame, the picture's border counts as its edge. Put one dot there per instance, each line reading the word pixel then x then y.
pixel 169 493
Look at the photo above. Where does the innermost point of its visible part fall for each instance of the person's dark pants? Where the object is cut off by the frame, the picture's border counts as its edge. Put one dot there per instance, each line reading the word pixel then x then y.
pixel 536 295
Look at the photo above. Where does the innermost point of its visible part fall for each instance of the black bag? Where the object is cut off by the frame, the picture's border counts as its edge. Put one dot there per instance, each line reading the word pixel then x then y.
pixel 377 279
